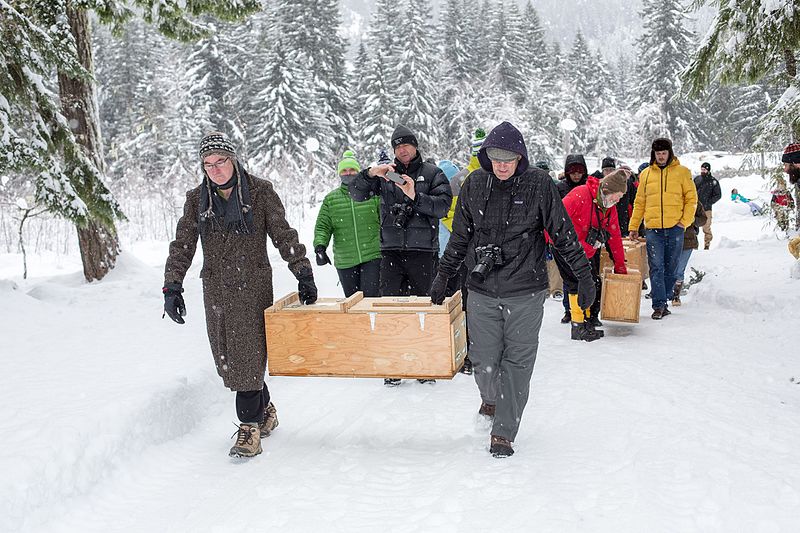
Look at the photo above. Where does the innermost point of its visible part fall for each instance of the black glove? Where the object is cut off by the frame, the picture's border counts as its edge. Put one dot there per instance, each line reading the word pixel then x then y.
pixel 322 256
pixel 173 302
pixel 438 288
pixel 307 289
pixel 586 292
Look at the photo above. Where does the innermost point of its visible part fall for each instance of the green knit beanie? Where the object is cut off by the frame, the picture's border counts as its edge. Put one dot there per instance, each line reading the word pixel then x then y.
pixel 348 161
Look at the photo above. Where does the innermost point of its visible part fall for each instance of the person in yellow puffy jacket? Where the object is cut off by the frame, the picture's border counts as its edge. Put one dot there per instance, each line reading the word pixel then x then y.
pixel 666 199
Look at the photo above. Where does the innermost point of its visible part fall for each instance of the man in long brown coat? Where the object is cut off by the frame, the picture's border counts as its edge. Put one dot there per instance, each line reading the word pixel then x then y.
pixel 233 213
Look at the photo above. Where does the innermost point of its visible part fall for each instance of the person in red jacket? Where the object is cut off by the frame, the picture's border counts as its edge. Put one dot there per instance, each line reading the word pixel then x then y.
pixel 592 209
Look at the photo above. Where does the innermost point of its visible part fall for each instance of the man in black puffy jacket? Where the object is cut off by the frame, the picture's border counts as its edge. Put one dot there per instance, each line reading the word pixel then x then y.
pixel 498 231
pixel 410 211
pixel 708 193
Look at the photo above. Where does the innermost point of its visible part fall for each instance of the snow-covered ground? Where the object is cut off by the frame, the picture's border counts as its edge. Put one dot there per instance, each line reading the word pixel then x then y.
pixel 113 419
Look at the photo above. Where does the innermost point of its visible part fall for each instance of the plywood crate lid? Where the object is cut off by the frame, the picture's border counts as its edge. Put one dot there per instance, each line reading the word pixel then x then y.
pixel 406 304
pixel 291 304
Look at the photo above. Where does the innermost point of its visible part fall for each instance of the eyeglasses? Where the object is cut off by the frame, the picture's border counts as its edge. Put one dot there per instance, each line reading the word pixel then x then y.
pixel 218 164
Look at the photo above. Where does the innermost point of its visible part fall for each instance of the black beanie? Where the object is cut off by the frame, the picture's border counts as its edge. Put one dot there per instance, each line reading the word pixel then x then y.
pixel 608 162
pixel 403 135
pixel 706 166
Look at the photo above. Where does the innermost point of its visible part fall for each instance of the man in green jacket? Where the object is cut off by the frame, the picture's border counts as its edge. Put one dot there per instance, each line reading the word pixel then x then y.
pixel 355 228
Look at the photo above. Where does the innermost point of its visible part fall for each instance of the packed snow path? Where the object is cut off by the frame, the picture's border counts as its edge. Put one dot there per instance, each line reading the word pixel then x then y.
pixel 114 420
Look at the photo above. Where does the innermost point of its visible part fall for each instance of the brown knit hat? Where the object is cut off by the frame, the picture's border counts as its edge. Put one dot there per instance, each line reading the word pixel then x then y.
pixel 614 182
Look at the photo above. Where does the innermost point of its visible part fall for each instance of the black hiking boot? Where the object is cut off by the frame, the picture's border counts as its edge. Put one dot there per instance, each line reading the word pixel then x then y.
pixel 500 447
pixel 594 321
pixel 467 368
pixel 583 332
pixel 391 382
pixel 487 410
pixel 660 313
pixel 431 381
pixel 567 318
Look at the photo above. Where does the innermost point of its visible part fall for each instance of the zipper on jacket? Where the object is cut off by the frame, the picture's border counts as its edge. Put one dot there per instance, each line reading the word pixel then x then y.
pixel 355 230
pixel 664 181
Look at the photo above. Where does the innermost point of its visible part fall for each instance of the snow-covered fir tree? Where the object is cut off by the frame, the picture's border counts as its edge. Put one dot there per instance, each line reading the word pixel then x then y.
pixel 663 50
pixel 748 41
pixel 417 87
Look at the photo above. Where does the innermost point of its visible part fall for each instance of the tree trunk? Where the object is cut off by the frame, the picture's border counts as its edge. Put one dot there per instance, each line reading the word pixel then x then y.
pixel 98 244
pixel 791 73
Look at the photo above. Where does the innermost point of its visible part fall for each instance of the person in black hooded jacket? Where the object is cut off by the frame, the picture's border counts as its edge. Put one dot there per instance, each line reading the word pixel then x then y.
pixel 575 174
pixel 498 231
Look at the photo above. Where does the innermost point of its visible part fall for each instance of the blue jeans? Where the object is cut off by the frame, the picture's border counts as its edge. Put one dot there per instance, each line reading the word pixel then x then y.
pixel 683 260
pixel 664 248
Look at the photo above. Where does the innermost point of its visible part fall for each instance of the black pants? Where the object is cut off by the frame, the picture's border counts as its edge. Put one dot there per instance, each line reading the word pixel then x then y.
pixel 250 405
pixel 364 277
pixel 415 267
pixel 571 282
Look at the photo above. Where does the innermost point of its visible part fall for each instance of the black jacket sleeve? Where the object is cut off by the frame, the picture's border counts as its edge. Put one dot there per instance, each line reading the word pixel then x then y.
pixel 463 230
pixel 364 186
pixel 559 226
pixel 716 193
pixel 436 203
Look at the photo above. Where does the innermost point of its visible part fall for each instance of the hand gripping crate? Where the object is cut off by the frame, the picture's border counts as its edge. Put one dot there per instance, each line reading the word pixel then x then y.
pixel 388 337
pixel 635 257
pixel 622 296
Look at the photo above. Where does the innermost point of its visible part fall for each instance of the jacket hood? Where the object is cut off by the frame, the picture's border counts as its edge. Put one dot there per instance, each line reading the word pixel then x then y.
pixel 575 159
pixel 507 137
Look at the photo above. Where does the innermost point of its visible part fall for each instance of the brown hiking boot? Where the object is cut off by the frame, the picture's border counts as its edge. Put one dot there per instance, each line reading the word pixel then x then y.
pixel 487 410
pixel 270 421
pixel 248 442
pixel 500 447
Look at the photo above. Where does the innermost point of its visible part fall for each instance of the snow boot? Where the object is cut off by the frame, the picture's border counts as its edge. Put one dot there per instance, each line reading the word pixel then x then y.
pixel 567 318
pixel 584 332
pixel 487 410
pixel 558 295
pixel 594 322
pixel 431 381
pixel 500 447
pixel 270 421
pixel 248 441
pixel 391 382
pixel 467 367
pixel 660 313
pixel 676 294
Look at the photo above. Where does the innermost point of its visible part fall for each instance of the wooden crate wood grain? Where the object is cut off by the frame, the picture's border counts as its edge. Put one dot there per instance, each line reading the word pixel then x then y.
pixel 622 296
pixel 635 257
pixel 400 337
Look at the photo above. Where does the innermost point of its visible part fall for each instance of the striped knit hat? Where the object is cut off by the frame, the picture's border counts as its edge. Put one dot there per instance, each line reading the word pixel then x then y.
pixel 216 143
pixel 791 154
pixel 477 140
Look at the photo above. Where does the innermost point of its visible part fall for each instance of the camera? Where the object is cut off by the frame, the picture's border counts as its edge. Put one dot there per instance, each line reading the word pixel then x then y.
pixel 489 256
pixel 597 237
pixel 402 213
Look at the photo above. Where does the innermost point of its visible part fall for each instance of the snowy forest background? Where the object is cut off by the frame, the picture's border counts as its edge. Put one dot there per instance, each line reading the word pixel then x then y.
pixel 283 77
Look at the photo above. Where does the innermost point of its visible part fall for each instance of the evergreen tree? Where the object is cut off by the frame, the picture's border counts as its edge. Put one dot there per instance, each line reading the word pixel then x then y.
pixel 535 53
pixel 417 90
pixel 577 92
pixel 663 51
pixel 69 22
pixel 375 103
pixel 749 40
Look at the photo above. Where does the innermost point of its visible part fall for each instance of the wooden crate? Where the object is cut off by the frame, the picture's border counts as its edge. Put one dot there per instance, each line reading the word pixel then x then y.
pixel 622 296
pixel 635 257
pixel 388 337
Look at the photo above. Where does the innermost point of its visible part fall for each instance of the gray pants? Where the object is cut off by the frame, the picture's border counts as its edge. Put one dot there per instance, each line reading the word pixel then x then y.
pixel 503 340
